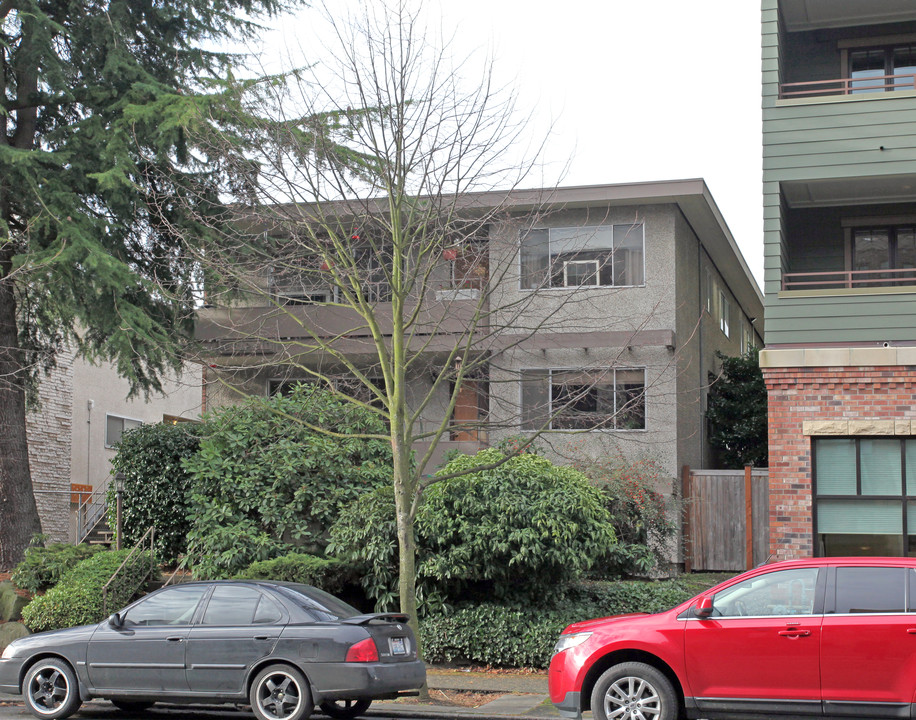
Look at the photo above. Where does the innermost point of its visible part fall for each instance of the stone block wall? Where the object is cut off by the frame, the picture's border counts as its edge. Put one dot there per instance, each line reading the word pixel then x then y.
pixel 49 435
pixel 824 401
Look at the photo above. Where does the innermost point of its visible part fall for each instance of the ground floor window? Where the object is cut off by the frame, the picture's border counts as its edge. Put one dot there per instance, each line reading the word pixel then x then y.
pixel 865 496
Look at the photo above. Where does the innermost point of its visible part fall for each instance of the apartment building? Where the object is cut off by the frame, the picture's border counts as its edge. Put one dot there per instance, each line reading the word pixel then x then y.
pixel 600 310
pixel 839 147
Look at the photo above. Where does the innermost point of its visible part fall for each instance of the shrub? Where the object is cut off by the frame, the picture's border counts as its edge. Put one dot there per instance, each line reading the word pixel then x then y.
pixel 77 598
pixel 328 574
pixel 515 531
pixel 267 480
pixel 737 412
pixel 644 519
pixel 155 485
pixel 524 636
pixel 43 567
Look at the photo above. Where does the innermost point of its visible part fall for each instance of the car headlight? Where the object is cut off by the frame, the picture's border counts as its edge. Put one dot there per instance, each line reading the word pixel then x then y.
pixel 9 651
pixel 569 641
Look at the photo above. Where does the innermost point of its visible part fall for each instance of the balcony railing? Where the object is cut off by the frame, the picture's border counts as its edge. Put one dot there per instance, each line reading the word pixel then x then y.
pixel 849 279
pixel 848 86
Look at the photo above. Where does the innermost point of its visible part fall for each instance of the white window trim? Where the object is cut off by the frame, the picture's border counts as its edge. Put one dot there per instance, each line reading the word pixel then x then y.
pixel 119 417
pixel 724 313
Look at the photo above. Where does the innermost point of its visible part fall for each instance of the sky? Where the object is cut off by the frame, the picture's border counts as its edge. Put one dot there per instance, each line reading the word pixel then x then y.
pixel 631 91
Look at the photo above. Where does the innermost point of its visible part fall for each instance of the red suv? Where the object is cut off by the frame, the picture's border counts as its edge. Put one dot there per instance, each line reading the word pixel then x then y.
pixel 827 637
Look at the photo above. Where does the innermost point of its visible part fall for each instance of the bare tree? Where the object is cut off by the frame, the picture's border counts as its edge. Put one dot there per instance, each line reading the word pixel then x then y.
pixel 382 260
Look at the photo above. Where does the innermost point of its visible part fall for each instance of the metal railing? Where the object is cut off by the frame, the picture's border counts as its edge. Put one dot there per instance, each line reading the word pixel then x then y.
pixel 144 543
pixel 848 279
pixel 848 86
pixel 90 511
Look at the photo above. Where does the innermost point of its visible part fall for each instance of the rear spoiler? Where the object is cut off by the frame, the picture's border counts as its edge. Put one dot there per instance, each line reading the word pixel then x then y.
pixel 368 618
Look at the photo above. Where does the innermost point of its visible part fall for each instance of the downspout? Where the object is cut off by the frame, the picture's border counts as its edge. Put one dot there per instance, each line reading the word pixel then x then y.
pixel 700 306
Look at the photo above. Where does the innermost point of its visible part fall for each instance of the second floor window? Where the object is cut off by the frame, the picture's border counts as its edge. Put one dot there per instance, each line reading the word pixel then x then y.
pixel 882 69
pixel 592 256
pixel 116 426
pixel 884 248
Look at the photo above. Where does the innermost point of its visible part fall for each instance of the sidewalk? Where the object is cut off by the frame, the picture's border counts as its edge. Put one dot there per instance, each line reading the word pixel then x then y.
pixel 515 695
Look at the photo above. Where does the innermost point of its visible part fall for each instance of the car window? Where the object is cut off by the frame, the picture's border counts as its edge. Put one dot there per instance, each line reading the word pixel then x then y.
pixel 174 606
pixel 870 590
pixel 267 612
pixel 318 603
pixel 784 592
pixel 231 605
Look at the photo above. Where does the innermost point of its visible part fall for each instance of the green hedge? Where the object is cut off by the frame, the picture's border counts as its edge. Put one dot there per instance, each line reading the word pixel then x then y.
pixel 328 574
pixel 43 567
pixel 490 634
pixel 77 598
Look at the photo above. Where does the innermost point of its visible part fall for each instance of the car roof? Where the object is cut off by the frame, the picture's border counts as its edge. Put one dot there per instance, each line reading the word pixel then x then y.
pixel 844 561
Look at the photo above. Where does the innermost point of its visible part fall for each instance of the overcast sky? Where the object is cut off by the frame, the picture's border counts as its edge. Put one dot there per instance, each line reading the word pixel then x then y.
pixel 635 91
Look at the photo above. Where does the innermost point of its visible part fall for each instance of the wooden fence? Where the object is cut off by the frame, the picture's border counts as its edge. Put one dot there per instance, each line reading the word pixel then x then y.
pixel 726 519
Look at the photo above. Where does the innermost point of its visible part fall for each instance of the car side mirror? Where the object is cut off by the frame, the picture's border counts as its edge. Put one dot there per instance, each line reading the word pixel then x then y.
pixel 115 620
pixel 703 608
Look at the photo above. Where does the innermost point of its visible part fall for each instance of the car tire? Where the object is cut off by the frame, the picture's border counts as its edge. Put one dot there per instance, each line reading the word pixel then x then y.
pixel 50 689
pixel 636 689
pixel 345 709
pixel 132 705
pixel 280 692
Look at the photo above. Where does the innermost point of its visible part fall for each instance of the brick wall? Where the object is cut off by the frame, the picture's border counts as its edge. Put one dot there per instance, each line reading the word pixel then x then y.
pixel 49 430
pixel 829 401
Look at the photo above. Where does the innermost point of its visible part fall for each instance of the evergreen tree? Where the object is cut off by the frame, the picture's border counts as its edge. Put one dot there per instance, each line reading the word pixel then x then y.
pixel 737 412
pixel 99 167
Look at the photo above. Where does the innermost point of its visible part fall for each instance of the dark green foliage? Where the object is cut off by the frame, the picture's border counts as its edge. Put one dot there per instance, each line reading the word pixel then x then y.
pixel 77 598
pixel 643 513
pixel 155 485
pixel 737 412
pixel 524 635
pixel 43 567
pixel 328 574
pixel 266 482
pixel 517 531
pixel 109 170
pixel 512 531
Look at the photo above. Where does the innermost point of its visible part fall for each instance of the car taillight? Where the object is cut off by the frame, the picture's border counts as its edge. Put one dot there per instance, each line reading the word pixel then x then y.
pixel 363 651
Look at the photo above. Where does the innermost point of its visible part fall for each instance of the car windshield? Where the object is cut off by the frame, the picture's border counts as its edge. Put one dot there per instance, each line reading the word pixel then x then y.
pixel 318 602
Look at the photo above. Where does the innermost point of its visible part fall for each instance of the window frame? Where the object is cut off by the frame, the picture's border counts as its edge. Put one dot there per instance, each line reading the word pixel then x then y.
pixel 886 44
pixel 611 251
pixel 725 311
pixel 902 497
pixel 551 412
pixel 122 418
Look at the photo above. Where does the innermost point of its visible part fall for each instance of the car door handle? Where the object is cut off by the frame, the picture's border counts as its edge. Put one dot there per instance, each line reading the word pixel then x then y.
pixel 175 638
pixel 795 633
pixel 911 631
pixel 262 637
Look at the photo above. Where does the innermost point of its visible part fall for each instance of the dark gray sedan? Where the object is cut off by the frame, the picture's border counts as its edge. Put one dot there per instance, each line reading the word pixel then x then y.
pixel 280 647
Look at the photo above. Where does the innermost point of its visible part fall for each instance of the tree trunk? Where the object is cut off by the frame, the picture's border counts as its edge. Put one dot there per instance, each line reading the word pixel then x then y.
pixel 20 515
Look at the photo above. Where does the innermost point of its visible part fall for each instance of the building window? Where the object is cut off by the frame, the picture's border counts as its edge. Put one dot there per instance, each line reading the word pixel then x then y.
pixel 607 399
pixel 116 426
pixel 882 69
pixel 725 311
pixel 747 339
pixel 593 256
pixel 865 496
pixel 890 248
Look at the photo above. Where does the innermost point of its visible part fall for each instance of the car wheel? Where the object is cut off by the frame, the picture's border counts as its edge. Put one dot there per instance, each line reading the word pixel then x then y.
pixel 633 691
pixel 280 692
pixel 132 705
pixel 50 689
pixel 345 709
